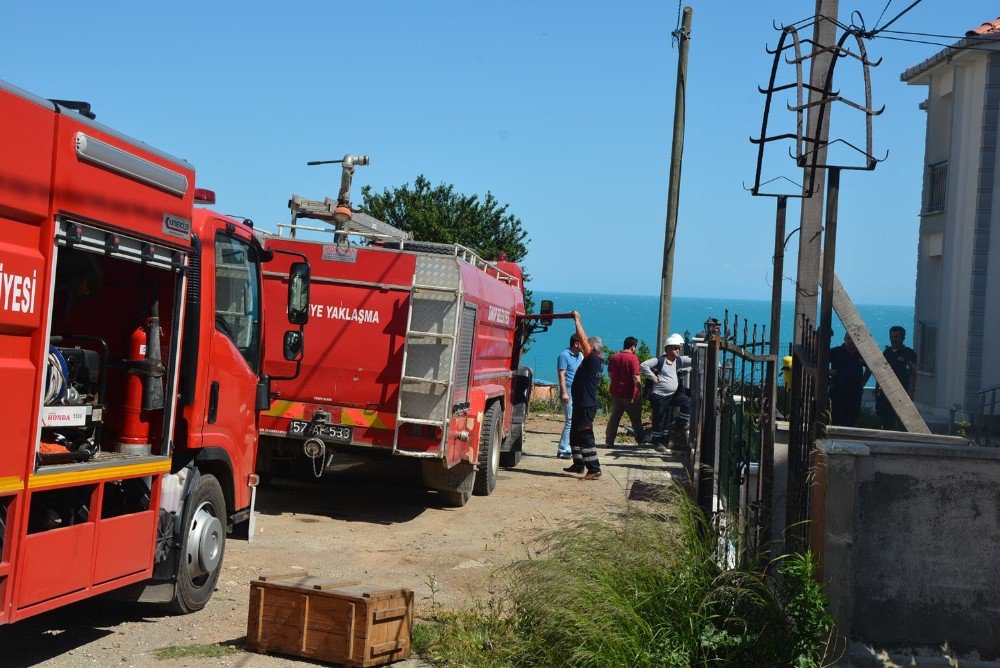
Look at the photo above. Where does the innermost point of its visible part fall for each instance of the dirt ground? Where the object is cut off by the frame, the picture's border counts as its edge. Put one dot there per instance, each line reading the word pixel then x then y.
pixel 376 527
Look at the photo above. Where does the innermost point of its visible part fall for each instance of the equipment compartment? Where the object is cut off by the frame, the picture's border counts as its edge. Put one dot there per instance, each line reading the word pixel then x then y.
pixel 111 359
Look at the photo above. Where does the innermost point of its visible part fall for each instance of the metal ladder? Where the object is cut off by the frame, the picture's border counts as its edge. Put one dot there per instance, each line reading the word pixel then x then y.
pixel 428 370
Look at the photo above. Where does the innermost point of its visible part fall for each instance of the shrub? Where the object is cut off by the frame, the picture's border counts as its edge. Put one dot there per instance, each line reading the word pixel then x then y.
pixel 639 589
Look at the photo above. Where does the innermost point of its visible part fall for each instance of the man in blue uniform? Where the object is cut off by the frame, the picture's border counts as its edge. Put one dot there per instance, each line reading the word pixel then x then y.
pixel 585 403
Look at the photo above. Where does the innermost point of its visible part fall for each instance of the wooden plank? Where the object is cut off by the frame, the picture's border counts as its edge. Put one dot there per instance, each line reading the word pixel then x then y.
pixel 391 613
pixel 333 585
pixel 386 647
pixel 873 357
pixel 283 576
pixel 254 616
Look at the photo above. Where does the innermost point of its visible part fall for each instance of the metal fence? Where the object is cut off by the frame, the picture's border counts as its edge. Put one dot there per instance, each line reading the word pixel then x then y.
pixel 985 424
pixel 732 433
pixel 803 430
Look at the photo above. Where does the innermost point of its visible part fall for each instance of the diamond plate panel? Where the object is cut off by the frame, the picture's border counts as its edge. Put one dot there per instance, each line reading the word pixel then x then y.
pixel 437 270
pixel 424 402
pixel 429 359
pixel 433 315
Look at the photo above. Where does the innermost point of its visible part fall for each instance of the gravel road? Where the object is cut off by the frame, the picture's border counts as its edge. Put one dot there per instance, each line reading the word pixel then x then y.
pixel 377 527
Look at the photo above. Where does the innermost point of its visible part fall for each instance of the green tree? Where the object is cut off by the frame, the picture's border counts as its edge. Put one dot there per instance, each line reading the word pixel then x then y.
pixel 440 214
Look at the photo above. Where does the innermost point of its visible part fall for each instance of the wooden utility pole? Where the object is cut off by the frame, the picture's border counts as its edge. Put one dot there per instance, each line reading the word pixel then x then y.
pixel 811 221
pixel 674 189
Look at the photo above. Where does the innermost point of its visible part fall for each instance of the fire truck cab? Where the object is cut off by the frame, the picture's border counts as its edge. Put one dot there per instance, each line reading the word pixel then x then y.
pixel 131 331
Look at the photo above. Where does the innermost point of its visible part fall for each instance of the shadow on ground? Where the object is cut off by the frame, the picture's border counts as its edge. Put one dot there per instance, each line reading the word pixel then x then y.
pixel 53 634
pixel 378 493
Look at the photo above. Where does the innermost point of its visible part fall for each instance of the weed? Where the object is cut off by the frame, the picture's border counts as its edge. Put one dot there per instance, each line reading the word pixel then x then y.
pixel 641 589
pixel 213 650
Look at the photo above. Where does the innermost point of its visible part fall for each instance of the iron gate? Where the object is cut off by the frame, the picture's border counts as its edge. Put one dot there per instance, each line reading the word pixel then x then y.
pixel 732 432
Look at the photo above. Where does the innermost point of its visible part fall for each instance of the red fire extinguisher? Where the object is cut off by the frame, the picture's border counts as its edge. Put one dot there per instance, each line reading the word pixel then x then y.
pixel 143 385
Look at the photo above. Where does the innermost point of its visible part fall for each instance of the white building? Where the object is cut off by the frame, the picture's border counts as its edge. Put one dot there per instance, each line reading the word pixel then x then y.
pixel 957 318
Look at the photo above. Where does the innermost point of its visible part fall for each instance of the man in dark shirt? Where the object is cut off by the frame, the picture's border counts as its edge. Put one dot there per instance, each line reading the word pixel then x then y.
pixel 626 383
pixel 903 362
pixel 848 374
pixel 585 382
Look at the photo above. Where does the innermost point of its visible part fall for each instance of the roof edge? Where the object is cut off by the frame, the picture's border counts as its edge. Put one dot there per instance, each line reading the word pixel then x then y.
pixel 911 73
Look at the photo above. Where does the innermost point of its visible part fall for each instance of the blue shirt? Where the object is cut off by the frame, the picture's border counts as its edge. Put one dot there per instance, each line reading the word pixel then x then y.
pixel 569 362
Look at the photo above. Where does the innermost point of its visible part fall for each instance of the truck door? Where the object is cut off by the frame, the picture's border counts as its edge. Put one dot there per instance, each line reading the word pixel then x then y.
pixel 235 352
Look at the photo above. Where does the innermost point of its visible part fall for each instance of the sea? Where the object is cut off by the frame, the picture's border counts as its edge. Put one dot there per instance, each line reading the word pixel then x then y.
pixel 613 317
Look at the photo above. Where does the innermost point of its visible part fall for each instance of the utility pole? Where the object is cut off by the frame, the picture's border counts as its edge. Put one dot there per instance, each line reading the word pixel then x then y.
pixel 674 189
pixel 811 221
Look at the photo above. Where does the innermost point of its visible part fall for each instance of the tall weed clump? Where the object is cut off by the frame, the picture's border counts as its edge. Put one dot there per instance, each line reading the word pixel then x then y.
pixel 642 589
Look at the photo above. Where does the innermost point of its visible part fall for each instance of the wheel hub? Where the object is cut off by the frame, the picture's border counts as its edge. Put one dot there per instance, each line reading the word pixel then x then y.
pixel 205 540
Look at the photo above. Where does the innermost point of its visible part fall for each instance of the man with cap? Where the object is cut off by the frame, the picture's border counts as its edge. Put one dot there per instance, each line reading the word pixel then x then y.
pixel 667 373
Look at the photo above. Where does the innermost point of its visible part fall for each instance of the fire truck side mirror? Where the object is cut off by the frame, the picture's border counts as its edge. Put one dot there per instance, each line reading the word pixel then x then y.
pixel 292 345
pixel 298 294
pixel 546 309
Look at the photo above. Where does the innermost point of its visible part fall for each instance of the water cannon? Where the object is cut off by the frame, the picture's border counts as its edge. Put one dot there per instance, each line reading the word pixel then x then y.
pixel 342 213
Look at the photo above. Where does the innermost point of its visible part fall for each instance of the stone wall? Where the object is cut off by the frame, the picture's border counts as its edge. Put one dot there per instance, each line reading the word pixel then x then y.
pixel 911 544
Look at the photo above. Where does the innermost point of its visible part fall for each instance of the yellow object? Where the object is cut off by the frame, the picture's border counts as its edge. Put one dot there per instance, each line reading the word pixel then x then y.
pixel 786 369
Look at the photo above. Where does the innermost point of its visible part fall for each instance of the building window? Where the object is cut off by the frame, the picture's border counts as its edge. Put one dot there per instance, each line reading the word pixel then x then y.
pixel 926 346
pixel 935 186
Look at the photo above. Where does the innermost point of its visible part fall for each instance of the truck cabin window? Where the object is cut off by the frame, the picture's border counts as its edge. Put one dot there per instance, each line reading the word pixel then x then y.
pixel 237 296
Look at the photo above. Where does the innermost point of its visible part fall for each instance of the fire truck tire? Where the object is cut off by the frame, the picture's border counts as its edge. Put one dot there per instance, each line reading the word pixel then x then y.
pixel 489 451
pixel 202 546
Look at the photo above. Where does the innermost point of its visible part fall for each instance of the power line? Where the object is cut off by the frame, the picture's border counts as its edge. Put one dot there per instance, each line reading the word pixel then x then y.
pixel 984 38
pixel 879 19
pixel 939 44
pixel 896 17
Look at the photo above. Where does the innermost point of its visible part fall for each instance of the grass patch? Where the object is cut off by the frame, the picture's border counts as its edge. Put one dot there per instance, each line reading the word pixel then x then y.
pixel 641 589
pixel 213 650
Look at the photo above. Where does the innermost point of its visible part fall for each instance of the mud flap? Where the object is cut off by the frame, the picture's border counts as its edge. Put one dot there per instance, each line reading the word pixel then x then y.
pixel 252 520
pixel 457 480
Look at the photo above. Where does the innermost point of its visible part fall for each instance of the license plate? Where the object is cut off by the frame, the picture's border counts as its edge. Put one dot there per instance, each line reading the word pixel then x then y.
pixel 327 432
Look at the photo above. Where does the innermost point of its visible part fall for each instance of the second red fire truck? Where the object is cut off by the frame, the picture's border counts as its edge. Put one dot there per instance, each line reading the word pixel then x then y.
pixel 413 353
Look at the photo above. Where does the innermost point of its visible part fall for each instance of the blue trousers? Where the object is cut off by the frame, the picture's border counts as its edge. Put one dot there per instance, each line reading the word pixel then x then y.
pixel 564 447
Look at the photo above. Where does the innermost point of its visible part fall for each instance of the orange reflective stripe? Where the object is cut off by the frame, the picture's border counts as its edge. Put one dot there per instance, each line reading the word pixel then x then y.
pixel 11 484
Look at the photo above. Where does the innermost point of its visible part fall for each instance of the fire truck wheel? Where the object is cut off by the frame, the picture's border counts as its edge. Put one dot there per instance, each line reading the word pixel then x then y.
pixel 489 451
pixel 202 546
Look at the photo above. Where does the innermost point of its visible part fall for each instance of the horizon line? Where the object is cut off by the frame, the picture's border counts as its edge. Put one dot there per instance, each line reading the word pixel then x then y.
pixel 745 299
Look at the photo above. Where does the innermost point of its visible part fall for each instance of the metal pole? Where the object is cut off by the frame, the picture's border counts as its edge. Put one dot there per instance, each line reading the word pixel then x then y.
pixel 826 305
pixel 674 189
pixel 808 275
pixel 766 479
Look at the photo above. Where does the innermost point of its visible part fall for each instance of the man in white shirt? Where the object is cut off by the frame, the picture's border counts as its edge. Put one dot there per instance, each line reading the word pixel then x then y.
pixel 668 374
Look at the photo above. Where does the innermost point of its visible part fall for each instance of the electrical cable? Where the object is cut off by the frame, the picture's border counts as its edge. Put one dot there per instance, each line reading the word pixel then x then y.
pixel 896 17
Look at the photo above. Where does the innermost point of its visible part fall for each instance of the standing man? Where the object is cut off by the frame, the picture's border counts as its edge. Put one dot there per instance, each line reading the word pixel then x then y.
pixel 626 395
pixel 848 375
pixel 584 391
pixel 566 365
pixel 666 373
pixel 903 362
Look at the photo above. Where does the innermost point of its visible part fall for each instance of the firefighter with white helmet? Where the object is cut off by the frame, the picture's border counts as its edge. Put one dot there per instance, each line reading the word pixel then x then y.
pixel 666 388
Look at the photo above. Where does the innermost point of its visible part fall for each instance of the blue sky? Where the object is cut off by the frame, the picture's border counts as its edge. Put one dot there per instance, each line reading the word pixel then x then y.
pixel 563 109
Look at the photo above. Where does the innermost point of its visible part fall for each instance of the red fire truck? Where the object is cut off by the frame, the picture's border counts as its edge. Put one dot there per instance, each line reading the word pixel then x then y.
pixel 413 352
pixel 131 337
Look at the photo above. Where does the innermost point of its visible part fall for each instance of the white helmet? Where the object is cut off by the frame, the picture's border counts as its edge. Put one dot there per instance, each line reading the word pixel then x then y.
pixel 674 340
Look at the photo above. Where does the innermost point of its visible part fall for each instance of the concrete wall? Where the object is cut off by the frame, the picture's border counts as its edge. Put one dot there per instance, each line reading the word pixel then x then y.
pixel 910 540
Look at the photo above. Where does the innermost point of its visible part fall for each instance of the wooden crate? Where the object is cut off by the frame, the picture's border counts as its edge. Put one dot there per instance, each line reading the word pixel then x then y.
pixel 339 622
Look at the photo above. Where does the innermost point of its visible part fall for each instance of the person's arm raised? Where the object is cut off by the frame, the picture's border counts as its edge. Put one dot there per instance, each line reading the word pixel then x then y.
pixel 585 346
